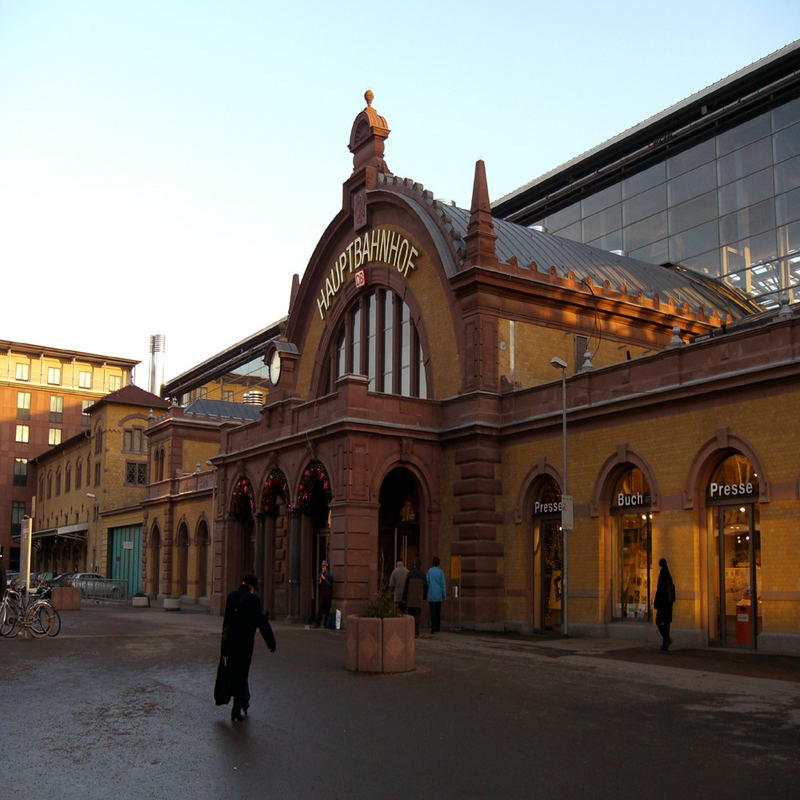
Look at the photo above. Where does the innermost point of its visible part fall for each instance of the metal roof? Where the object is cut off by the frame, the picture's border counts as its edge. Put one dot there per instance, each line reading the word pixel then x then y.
pixel 223 409
pixel 584 261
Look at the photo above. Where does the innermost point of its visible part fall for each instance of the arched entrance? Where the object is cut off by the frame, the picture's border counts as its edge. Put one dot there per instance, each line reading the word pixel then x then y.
pixel 398 522
pixel 631 546
pixel 155 560
pixel 202 560
pixel 735 552
pixel 242 509
pixel 313 502
pixel 547 555
pixel 182 559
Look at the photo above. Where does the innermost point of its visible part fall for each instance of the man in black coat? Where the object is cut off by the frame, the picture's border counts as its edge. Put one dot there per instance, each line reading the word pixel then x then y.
pixel 243 616
pixel 662 602
pixel 414 592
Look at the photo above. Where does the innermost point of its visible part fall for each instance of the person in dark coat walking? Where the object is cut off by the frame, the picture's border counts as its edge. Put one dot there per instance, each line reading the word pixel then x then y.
pixel 662 602
pixel 243 616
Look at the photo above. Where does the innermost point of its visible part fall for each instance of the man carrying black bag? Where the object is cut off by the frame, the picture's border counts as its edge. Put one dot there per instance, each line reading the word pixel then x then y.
pixel 243 616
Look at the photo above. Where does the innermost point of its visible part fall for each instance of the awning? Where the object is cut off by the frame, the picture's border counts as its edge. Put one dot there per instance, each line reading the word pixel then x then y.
pixel 79 531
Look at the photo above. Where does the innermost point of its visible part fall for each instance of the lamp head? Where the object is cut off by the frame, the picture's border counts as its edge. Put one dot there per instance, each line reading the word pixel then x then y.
pixel 558 363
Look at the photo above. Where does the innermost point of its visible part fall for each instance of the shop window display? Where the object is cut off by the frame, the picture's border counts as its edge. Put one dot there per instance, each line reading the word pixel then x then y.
pixel 631 524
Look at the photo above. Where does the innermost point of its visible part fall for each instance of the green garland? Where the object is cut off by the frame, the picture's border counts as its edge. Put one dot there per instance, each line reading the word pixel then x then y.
pixel 242 505
pixel 275 486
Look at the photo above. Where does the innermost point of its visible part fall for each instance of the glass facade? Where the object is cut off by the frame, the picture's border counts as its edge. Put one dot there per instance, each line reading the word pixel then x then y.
pixel 728 207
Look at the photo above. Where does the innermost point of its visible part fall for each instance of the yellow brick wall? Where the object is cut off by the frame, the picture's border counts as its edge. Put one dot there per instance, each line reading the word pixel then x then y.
pixel 535 345
pixel 669 446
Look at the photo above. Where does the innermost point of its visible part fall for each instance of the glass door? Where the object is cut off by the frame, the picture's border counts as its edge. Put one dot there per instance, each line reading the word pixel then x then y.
pixel 739 563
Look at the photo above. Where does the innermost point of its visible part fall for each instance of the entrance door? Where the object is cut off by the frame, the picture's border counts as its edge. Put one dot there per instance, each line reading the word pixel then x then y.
pixel 126 557
pixel 547 575
pixel 738 560
pixel 398 523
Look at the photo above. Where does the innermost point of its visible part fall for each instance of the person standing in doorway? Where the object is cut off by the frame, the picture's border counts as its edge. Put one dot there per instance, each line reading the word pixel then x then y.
pixel 325 590
pixel 662 602
pixel 414 593
pixel 437 591
pixel 243 617
pixel 397 583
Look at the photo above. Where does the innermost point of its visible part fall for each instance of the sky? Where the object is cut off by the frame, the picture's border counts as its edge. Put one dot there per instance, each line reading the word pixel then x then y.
pixel 166 166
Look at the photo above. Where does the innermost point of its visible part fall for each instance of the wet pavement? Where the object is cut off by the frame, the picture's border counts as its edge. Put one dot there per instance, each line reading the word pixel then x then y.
pixel 120 705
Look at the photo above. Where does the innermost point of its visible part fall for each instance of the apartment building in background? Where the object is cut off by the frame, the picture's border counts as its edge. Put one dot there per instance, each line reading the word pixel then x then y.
pixel 45 393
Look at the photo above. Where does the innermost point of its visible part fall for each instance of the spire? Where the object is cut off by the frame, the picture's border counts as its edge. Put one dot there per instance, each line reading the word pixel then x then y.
pixel 480 238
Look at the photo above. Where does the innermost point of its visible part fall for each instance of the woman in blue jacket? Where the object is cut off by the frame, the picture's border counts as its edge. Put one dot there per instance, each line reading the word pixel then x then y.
pixel 437 591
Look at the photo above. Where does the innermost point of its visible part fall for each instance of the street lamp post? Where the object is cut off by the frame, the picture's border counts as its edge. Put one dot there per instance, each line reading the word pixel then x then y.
pixel 566 498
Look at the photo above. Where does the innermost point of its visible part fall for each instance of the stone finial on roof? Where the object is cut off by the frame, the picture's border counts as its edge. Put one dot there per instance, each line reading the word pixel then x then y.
pixel 367 138
pixel 480 239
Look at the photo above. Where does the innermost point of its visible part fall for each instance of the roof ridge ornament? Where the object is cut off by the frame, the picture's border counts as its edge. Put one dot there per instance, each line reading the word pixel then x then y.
pixel 367 137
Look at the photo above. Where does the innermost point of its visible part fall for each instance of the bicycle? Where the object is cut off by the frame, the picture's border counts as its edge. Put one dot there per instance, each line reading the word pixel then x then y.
pixel 28 613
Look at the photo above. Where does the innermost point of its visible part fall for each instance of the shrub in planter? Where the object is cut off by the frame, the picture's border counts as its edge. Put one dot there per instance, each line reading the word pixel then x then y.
pixel 381 640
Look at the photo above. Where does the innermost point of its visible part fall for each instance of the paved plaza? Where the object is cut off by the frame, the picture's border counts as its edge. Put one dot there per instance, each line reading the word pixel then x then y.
pixel 120 705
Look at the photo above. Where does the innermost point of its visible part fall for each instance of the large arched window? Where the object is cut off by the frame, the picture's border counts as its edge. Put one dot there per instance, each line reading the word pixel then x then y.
pixel 376 337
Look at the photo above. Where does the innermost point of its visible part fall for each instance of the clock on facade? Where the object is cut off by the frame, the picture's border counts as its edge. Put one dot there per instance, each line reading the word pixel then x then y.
pixel 275 367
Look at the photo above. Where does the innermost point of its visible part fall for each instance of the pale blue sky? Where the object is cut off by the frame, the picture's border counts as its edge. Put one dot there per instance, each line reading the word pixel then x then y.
pixel 165 167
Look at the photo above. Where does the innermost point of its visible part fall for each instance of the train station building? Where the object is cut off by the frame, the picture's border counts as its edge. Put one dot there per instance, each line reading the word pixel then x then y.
pixel 417 392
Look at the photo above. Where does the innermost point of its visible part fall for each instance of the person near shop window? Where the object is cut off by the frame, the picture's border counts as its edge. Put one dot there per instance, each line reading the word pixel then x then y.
pixel 397 583
pixel 662 602
pixel 414 593
pixel 437 591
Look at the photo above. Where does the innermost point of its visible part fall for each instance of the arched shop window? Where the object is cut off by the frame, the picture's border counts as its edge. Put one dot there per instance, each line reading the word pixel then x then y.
pixel 734 519
pixel 631 546
pixel 376 337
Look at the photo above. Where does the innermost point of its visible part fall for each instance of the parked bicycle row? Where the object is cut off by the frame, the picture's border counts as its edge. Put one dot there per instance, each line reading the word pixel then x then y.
pixel 24 612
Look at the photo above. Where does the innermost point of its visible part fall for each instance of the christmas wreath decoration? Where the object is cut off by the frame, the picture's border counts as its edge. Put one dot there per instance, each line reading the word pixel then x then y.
pixel 242 504
pixel 315 480
pixel 275 486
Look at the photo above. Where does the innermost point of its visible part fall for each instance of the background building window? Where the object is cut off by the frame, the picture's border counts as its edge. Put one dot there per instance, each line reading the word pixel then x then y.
pixel 20 471
pixel 23 371
pixel 86 419
pixel 23 405
pixel 133 440
pixel 54 376
pixel 135 474
pixel 85 379
pixel 23 433
pixel 56 409
pixel 17 513
pixel 67 478
pixel 97 473
pixel 114 383
pixel 98 441
pixel 78 473
pixel 54 436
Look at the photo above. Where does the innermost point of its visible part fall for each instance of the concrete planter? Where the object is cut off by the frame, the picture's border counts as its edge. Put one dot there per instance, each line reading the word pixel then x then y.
pixel 172 604
pixel 140 602
pixel 373 644
pixel 66 598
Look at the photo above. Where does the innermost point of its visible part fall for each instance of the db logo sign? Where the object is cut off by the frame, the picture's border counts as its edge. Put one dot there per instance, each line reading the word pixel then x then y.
pixel 361 279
